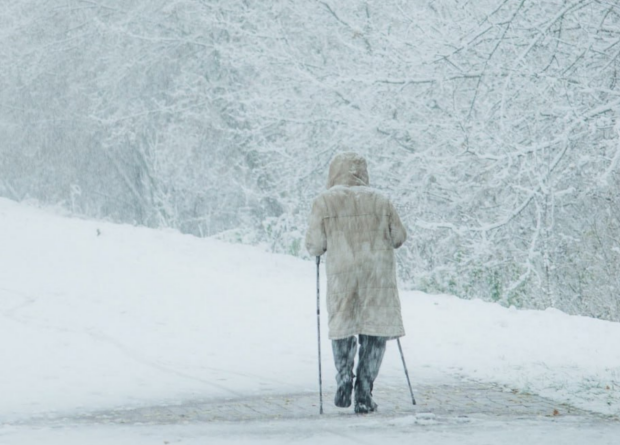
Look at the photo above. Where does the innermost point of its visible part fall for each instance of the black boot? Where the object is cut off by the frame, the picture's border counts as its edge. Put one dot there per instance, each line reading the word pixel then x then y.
pixel 371 354
pixel 344 356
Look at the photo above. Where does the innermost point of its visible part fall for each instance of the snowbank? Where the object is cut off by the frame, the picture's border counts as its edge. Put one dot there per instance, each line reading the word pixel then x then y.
pixel 97 315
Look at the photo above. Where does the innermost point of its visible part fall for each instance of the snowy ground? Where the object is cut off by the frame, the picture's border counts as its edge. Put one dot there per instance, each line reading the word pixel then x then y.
pixel 359 431
pixel 96 316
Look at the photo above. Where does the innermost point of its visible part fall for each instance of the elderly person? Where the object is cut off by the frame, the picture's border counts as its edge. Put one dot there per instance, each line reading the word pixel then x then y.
pixel 358 229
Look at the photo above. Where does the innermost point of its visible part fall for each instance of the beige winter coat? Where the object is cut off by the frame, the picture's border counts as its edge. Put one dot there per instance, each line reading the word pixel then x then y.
pixel 358 229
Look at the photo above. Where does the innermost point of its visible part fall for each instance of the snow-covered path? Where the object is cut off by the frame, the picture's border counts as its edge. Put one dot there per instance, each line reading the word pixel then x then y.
pixel 457 411
pixel 457 402
pixel 98 319
pixel 460 412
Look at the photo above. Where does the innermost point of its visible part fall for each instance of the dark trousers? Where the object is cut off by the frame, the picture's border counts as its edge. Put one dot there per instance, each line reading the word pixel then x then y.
pixel 371 353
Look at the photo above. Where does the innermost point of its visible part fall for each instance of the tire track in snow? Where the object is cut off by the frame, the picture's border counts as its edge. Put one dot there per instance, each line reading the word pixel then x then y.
pixel 142 359
pixel 104 338
pixel 28 300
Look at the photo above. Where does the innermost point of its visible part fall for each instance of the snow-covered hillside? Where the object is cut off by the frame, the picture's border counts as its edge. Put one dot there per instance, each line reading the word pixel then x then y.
pixel 96 315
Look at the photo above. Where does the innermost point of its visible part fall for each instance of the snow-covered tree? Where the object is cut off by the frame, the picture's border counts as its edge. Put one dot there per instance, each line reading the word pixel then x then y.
pixel 492 125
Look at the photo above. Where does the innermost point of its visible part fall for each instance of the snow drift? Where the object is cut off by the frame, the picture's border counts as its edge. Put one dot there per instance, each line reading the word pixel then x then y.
pixel 99 315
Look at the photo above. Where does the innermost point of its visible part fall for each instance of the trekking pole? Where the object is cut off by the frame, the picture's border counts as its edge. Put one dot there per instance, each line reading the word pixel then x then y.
pixel 318 328
pixel 406 373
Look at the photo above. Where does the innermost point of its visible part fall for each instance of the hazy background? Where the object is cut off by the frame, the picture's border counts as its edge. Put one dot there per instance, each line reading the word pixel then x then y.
pixel 492 125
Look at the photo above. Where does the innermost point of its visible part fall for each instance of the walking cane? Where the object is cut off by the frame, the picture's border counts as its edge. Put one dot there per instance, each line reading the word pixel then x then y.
pixel 318 328
pixel 406 373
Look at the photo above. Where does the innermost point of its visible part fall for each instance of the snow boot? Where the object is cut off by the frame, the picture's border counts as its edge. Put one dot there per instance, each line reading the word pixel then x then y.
pixel 344 356
pixel 363 398
pixel 371 354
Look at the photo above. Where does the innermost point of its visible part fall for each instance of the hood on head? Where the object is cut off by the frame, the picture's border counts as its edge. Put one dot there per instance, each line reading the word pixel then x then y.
pixel 347 169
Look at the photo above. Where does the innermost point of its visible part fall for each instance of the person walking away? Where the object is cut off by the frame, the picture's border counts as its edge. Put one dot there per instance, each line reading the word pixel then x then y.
pixel 357 229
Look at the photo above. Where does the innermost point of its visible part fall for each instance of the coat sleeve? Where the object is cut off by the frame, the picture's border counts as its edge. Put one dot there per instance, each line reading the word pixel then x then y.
pixel 316 240
pixel 397 230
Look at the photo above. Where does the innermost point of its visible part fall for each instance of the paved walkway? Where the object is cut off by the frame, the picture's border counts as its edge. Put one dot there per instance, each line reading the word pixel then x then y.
pixel 435 403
